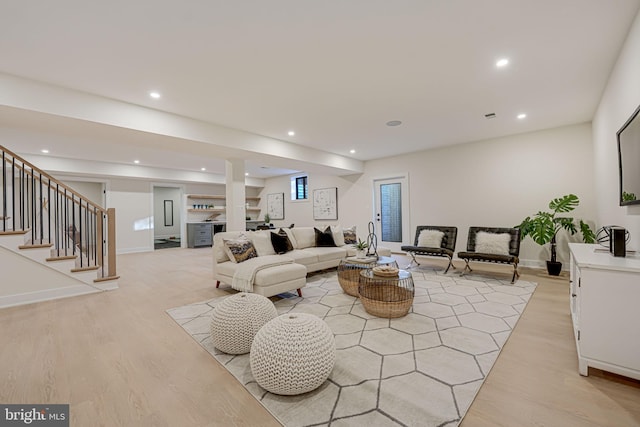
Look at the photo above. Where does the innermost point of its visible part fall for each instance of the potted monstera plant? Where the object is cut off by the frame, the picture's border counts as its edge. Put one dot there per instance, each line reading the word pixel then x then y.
pixel 544 226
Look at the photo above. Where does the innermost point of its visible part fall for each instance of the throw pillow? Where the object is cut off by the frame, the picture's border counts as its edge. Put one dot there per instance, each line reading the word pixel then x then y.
pixel 493 243
pixel 429 238
pixel 338 235
pixel 262 242
pixel 350 237
pixel 289 233
pixel 324 238
pixel 240 250
pixel 281 243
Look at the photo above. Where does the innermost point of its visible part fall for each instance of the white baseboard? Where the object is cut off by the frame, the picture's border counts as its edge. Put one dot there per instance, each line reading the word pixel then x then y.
pixel 134 250
pixel 49 294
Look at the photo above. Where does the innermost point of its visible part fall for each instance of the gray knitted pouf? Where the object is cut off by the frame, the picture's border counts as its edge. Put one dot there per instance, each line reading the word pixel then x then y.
pixel 237 319
pixel 293 354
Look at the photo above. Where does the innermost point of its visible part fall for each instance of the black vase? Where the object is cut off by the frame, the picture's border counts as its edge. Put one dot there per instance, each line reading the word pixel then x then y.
pixel 554 268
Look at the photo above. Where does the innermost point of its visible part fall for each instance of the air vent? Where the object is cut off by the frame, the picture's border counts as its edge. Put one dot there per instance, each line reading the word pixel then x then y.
pixel 490 116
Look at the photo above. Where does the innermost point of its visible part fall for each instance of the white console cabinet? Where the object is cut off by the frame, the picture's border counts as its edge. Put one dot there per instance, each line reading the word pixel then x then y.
pixel 605 308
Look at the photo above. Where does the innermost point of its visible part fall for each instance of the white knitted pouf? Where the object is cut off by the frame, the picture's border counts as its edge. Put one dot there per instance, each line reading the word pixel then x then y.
pixel 293 354
pixel 237 319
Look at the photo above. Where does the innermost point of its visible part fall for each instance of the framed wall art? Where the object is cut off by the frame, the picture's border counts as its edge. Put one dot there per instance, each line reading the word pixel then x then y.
pixel 275 205
pixel 325 203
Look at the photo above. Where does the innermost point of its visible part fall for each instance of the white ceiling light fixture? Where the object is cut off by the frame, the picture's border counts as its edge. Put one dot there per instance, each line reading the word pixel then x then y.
pixel 203 169
pixel 502 63
pixel 522 116
pixel 137 162
pixel 291 133
pixel 154 94
pixel 352 151
pixel 45 151
pixel 394 123
pixel 246 174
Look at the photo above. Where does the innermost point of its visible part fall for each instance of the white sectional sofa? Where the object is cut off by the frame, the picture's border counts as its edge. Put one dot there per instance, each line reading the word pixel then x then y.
pixel 277 273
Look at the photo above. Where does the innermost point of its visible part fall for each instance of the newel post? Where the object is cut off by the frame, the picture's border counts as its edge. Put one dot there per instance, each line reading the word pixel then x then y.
pixel 111 242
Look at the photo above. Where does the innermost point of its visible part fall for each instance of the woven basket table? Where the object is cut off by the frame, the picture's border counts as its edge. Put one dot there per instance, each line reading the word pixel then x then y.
pixel 386 296
pixel 349 271
pixel 237 319
pixel 293 354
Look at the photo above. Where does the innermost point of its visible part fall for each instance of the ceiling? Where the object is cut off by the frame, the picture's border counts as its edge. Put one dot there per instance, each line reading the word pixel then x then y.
pixel 333 71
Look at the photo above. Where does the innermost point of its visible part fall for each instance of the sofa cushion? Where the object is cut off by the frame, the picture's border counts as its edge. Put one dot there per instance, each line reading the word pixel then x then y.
pixel 327 253
pixel 430 238
pixel 303 256
pixel 324 238
pixel 281 243
pixel 305 237
pixel 350 237
pixel 279 274
pixel 266 276
pixel 239 250
pixel 492 243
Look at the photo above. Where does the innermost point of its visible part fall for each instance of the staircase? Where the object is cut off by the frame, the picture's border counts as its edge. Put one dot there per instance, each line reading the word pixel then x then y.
pixel 54 242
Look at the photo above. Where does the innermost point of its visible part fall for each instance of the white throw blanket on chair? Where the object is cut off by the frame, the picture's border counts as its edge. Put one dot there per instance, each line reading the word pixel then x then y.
pixel 246 272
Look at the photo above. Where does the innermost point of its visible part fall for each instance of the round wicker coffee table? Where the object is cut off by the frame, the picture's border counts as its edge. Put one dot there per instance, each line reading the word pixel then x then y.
pixel 386 296
pixel 349 271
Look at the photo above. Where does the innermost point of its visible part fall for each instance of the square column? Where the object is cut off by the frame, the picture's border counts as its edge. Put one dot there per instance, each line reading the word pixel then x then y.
pixel 235 193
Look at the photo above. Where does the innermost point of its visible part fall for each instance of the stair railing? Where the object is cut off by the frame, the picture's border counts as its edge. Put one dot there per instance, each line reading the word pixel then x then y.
pixel 54 215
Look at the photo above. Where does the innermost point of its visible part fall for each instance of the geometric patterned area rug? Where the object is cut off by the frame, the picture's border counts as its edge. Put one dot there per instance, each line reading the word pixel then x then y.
pixel 423 369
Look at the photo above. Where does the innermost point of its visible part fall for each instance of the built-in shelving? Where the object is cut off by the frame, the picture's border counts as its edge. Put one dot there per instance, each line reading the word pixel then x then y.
pixel 205 204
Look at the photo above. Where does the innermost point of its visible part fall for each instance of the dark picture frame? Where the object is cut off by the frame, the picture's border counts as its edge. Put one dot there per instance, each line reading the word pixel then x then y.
pixel 168 213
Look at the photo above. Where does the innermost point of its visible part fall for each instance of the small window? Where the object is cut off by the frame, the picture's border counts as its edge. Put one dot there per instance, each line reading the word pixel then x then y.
pixel 299 188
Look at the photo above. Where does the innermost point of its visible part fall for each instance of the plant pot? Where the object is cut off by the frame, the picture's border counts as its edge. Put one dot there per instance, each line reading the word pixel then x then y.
pixel 361 253
pixel 554 268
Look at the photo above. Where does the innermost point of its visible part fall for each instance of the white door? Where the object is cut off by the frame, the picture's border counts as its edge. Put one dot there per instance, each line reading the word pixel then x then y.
pixel 391 204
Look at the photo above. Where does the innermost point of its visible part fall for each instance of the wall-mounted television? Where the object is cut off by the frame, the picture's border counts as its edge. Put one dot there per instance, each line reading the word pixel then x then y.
pixel 629 160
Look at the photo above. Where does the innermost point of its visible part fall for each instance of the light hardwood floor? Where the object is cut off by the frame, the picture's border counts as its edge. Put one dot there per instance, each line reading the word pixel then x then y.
pixel 119 360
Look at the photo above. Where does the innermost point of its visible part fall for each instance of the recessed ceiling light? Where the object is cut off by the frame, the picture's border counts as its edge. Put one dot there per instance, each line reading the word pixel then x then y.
pixel 394 123
pixel 136 162
pixel 291 133
pixel 45 151
pixel 522 116
pixel 203 169
pixel 352 151
pixel 154 95
pixel 502 62
pixel 246 174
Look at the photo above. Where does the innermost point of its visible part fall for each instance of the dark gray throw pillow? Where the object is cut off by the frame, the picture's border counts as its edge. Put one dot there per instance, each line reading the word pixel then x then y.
pixel 324 238
pixel 281 243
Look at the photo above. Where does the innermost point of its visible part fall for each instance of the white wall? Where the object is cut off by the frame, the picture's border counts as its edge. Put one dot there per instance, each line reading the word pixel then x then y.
pixel 94 191
pixel 497 182
pixel 133 201
pixel 619 100
pixel 300 212
pixel 160 195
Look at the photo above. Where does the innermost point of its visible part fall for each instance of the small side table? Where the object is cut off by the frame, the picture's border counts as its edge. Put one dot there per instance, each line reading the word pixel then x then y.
pixel 349 271
pixel 386 296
